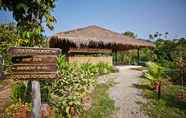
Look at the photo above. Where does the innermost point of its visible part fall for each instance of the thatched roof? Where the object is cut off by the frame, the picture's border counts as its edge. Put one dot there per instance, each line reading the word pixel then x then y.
pixel 96 37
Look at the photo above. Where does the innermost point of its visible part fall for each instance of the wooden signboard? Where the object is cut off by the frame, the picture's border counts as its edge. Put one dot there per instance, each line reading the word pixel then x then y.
pixel 33 76
pixel 33 63
pixel 34 68
pixel 33 51
pixel 36 59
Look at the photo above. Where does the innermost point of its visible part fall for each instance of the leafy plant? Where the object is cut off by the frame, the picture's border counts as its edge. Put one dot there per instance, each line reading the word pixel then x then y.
pixel 45 90
pixel 30 16
pixel 18 91
pixel 65 94
pixel 168 106
pixel 154 73
pixel 8 37
pixel 18 107
pixel 76 81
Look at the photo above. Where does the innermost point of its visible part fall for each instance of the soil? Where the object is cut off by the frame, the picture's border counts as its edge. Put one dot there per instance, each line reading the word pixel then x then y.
pixel 5 91
pixel 124 92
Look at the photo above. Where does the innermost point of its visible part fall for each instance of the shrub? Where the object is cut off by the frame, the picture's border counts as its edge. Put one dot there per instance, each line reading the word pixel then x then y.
pixel 45 90
pixel 75 82
pixel 154 73
pixel 65 94
pixel 18 109
pixel 18 91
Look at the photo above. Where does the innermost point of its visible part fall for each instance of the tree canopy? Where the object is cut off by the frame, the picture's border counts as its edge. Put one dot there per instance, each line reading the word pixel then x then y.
pixel 130 34
pixel 30 16
pixel 8 37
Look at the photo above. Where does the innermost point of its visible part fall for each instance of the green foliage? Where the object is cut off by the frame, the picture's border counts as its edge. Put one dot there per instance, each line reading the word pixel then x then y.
pixel 45 86
pixel 161 110
pixel 154 73
pixel 158 35
pixel 125 57
pixel 131 56
pixel 30 15
pixel 168 53
pixel 14 108
pixel 66 93
pixel 103 68
pixel 167 106
pixel 130 34
pixel 8 38
pixel 22 94
pixel 75 83
pixel 18 91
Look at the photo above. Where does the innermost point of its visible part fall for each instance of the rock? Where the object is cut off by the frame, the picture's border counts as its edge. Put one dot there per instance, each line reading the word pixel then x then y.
pixel 86 103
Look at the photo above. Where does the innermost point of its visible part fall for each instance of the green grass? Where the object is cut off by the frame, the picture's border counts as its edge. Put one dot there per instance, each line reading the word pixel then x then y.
pixel 103 105
pixel 167 106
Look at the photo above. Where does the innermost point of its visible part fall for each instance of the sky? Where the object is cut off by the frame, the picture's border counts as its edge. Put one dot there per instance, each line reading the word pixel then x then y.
pixel 140 16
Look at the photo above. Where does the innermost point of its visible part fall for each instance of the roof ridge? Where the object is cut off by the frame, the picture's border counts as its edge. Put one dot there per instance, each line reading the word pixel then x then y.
pixel 86 27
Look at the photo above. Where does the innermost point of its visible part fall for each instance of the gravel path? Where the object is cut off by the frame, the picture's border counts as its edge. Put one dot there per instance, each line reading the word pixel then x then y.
pixel 126 95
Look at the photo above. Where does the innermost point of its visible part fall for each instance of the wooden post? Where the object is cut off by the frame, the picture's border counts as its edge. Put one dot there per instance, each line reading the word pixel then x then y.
pixel 1 63
pixel 158 89
pixel 138 51
pixel 36 99
pixel 116 57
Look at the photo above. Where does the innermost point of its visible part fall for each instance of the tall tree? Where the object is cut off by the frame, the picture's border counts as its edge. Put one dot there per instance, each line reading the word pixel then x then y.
pixel 158 35
pixel 130 34
pixel 30 16
pixel 166 35
pixel 151 37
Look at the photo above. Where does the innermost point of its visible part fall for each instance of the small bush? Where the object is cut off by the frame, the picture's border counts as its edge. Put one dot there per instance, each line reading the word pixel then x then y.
pixel 76 81
pixel 154 73
pixel 65 94
pixel 167 106
pixel 18 91
pixel 18 108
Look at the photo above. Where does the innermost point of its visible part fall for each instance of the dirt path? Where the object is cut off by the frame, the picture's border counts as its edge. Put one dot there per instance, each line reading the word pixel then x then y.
pixel 126 95
pixel 5 90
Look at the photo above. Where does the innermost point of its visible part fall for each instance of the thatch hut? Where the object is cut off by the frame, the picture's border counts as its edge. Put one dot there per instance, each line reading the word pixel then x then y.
pixel 94 44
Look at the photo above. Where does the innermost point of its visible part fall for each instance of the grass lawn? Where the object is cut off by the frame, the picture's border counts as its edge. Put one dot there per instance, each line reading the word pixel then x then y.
pixel 168 106
pixel 103 105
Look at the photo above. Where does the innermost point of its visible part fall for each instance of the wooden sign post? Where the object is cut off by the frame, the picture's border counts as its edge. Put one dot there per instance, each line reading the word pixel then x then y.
pixel 36 99
pixel 34 64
